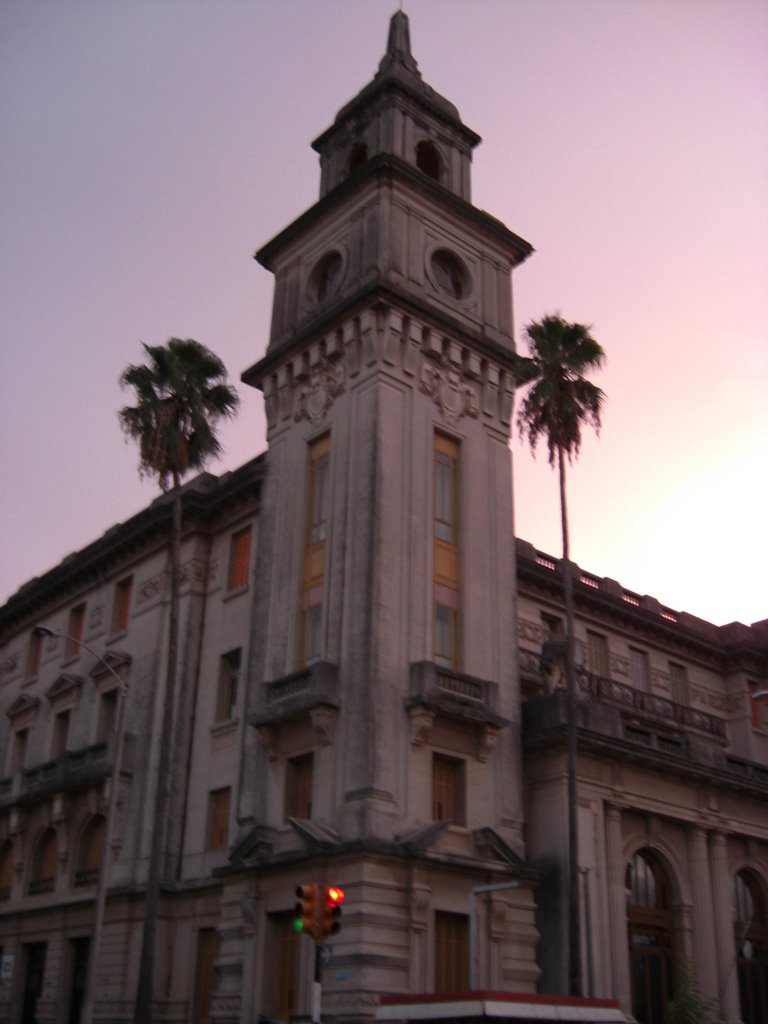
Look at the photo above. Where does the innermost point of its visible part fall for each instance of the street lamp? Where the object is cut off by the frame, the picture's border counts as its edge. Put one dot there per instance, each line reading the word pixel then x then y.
pixel 101 889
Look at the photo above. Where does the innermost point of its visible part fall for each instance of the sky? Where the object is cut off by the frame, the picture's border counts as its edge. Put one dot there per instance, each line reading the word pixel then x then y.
pixel 149 147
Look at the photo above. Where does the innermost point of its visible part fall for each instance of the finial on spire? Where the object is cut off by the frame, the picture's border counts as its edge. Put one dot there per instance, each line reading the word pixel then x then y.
pixel 399 43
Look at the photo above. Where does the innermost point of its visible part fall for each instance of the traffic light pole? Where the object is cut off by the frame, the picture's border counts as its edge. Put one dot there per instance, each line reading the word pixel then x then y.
pixel 317 988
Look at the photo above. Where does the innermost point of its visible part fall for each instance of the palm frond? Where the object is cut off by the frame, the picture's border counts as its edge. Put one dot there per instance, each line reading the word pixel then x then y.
pixel 181 393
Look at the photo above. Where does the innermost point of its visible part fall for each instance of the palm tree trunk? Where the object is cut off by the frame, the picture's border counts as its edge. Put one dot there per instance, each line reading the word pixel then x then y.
pixel 144 991
pixel 574 927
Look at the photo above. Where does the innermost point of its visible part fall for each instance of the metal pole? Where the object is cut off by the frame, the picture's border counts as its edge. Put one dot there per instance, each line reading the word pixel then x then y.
pixel 317 989
pixel 114 786
pixel 473 894
pixel 588 932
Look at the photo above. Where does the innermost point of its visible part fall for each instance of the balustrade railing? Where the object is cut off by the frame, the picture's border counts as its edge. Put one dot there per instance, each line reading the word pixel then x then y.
pixel 651 705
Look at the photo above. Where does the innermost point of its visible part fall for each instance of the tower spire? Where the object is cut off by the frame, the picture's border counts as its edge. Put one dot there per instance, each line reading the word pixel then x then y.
pixel 399 45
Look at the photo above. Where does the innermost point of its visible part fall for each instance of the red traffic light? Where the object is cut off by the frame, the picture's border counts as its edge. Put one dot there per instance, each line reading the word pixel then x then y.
pixel 330 911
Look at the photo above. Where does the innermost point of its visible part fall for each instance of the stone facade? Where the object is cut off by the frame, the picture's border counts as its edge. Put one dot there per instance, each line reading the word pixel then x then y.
pixel 370 685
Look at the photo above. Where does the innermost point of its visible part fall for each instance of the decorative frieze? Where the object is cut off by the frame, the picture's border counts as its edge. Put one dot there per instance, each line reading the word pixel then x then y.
pixel 460 380
pixel 11 664
pixel 449 390
pixel 324 384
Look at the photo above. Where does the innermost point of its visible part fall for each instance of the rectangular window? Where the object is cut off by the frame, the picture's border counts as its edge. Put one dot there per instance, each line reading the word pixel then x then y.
pixel 298 787
pixel 756 707
pixel 445 549
pixel 239 559
pixel 19 753
pixel 107 715
pixel 229 676
pixel 60 737
pixel 451 952
pixel 448 787
pixel 121 605
pixel 218 819
pixel 597 653
pixel 318 497
pixel 75 631
pixel 679 680
pixel 34 655
pixel 639 673
pixel 551 625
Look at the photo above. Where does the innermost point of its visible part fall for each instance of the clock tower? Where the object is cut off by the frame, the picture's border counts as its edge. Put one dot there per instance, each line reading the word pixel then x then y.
pixel 384 749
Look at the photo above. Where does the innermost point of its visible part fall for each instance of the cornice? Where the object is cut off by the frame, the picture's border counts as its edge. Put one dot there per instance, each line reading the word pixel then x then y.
pixel 378 295
pixel 731 647
pixel 387 166
pixel 204 498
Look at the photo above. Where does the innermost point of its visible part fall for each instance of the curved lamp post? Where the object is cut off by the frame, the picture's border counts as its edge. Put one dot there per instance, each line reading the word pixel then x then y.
pixel 101 889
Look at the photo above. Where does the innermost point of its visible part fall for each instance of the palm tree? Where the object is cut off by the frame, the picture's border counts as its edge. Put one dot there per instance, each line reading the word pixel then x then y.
pixel 181 393
pixel 559 402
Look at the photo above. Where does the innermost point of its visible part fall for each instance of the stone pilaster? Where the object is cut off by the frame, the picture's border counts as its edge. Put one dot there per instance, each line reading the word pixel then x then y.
pixel 617 908
pixel 704 945
pixel 723 914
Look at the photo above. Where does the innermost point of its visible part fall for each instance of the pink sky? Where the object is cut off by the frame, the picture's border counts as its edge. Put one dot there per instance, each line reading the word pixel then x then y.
pixel 150 147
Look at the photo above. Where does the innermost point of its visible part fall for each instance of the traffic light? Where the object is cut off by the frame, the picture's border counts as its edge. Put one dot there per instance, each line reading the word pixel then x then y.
pixel 306 912
pixel 330 910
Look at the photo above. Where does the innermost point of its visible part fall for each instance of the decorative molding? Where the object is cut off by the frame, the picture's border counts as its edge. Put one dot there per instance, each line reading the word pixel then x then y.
pixel 422 720
pixel 531 631
pixel 421 903
pixel 152 588
pixel 324 723
pixel 95 615
pixel 11 664
pixel 268 735
pixel 448 388
pixel 497 917
pixel 324 384
pixel 486 741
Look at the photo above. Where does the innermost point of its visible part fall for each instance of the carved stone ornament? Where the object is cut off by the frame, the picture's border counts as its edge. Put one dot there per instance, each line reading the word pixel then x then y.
pixel 317 395
pixel 323 723
pixel 421 902
pixel 453 397
pixel 422 720
pixel 268 736
pixel 486 741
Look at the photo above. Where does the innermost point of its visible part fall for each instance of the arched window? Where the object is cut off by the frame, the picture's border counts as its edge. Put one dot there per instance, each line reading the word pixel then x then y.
pixel 6 870
pixel 750 922
pixel 428 159
pixel 326 276
pixel 91 851
pixel 44 864
pixel 650 938
pixel 357 156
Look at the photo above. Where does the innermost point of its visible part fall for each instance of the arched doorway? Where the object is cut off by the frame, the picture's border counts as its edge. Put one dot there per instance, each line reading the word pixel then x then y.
pixel 649 917
pixel 750 922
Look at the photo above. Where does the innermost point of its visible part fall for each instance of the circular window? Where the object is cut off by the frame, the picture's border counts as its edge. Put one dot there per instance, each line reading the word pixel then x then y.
pixel 326 277
pixel 449 273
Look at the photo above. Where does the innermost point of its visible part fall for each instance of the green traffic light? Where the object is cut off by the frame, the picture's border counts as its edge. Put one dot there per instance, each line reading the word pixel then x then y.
pixel 298 925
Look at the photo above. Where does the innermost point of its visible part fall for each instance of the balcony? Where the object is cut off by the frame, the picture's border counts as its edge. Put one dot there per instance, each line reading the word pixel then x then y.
pixel 651 707
pixel 436 692
pixel 624 724
pixel 71 772
pixel 311 692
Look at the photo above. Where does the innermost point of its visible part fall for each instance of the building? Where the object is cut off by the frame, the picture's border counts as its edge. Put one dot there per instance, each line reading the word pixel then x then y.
pixel 369 692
